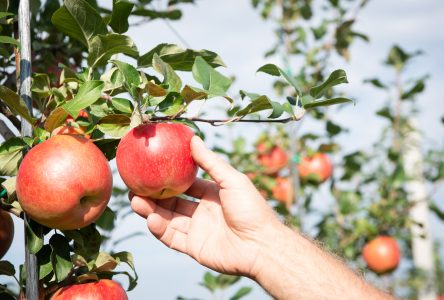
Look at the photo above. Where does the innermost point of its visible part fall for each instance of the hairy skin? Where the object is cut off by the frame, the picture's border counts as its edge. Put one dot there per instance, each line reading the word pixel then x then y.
pixel 233 230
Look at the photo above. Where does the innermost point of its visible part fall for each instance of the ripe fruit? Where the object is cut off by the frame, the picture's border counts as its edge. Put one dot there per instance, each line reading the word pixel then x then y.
pixel 103 289
pixel 154 160
pixel 273 160
pixel 64 182
pixel 283 191
pixel 382 254
pixel 317 168
pixel 6 232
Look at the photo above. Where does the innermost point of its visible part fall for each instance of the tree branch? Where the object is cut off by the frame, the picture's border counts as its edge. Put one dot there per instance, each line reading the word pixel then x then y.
pixel 219 122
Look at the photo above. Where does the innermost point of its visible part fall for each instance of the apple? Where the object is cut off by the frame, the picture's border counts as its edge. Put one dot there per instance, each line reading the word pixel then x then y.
pixel 273 160
pixel 382 254
pixel 103 289
pixel 283 191
pixel 6 232
pixel 154 160
pixel 317 168
pixel 64 182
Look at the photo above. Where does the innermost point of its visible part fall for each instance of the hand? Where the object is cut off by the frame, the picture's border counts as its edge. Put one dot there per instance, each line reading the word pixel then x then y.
pixel 225 229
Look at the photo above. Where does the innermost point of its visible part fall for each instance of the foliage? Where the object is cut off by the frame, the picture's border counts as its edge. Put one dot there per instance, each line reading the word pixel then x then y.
pixel 79 75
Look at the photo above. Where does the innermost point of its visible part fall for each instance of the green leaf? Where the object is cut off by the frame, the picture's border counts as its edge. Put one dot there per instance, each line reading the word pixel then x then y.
pixel 270 69
pixel 127 258
pixel 332 128
pixel 122 105
pixel 9 40
pixel 190 94
pixel 55 119
pixel 4 14
pixel 209 281
pixel 44 260
pixel 34 236
pixel 60 256
pixel 398 57
pixel 108 147
pixel 103 262
pixel 79 20
pixel 335 78
pixel 41 84
pixel 172 104
pixel 15 103
pixel 416 89
pixel 376 82
pixel 224 280
pixel 274 70
pixel 103 47
pixel 89 92
pixel 178 58
pixel 115 125
pixel 119 18
pixel 130 75
pixel 213 82
pixel 107 219
pixel 11 153
pixel 243 291
pixel 259 103
pixel 170 77
pixel 9 185
pixel 439 213
pixel 327 102
pixel 6 268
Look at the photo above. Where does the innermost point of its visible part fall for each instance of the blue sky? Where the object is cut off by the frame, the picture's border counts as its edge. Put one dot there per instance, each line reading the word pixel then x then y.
pixel 232 29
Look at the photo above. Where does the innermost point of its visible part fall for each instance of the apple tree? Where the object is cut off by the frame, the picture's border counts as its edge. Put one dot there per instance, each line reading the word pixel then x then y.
pixel 374 190
pixel 91 84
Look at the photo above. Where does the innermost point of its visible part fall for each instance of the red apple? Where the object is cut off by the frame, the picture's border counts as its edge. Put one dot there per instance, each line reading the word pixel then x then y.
pixel 382 254
pixel 317 168
pixel 64 182
pixel 154 160
pixel 6 232
pixel 283 191
pixel 103 289
pixel 274 160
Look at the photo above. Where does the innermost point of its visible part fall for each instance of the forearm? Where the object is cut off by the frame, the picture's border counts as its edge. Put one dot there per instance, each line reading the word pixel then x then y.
pixel 292 267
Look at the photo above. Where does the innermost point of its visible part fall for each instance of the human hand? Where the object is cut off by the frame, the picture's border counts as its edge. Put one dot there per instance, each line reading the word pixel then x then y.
pixel 225 229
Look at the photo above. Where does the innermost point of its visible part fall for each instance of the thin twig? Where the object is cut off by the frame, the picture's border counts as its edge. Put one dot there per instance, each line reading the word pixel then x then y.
pixel 219 122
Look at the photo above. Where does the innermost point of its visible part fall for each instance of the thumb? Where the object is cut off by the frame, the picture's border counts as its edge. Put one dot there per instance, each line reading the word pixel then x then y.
pixel 221 172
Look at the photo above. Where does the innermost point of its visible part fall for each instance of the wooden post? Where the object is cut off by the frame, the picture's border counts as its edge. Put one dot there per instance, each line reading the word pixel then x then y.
pixel 422 246
pixel 24 17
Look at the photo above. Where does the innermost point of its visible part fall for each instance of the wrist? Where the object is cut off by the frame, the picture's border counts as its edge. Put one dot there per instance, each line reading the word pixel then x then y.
pixel 272 238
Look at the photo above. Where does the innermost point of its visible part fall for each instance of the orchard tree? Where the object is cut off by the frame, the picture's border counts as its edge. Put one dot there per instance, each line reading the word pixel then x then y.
pixel 372 221
pixel 83 104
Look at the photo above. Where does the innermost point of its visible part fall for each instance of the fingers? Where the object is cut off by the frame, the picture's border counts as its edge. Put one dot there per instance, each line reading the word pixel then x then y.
pixel 224 174
pixel 202 188
pixel 144 206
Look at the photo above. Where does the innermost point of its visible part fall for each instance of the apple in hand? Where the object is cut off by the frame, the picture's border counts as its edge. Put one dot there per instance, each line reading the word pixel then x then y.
pixel 103 289
pixel 154 160
pixel 283 191
pixel 64 182
pixel 273 160
pixel 6 232
pixel 317 168
pixel 382 254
